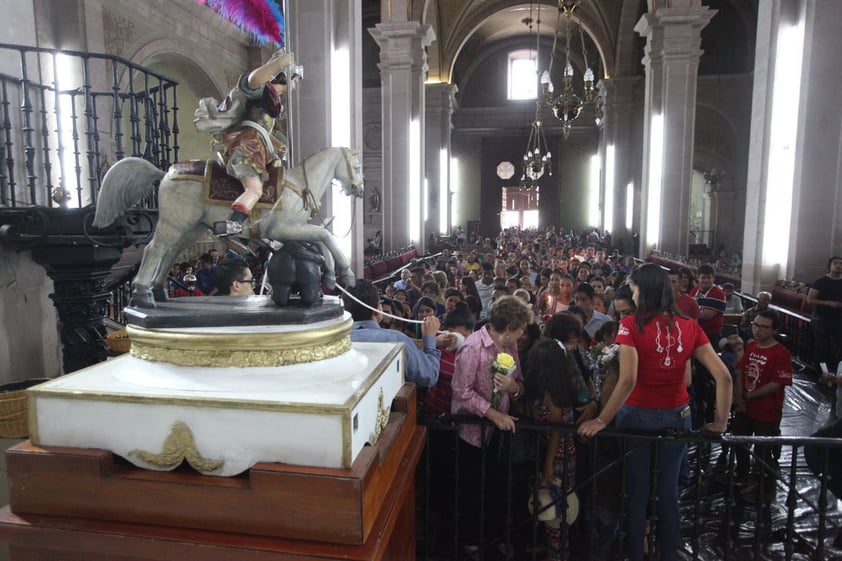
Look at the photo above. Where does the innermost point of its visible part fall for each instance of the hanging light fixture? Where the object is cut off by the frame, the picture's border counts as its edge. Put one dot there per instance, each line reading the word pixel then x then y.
pixel 537 159
pixel 568 105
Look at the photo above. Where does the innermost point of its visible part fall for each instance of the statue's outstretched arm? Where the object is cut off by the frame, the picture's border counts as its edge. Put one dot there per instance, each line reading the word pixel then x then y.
pixel 279 61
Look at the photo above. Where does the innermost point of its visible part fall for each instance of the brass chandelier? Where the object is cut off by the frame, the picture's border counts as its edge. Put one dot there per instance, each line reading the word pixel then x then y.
pixel 568 105
pixel 537 159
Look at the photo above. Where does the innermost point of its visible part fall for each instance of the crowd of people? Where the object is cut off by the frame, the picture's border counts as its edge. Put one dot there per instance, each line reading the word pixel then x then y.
pixel 595 340
pixel 537 325
pixel 213 275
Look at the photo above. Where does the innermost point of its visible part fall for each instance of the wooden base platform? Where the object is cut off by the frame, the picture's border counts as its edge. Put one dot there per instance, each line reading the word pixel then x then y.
pixel 73 504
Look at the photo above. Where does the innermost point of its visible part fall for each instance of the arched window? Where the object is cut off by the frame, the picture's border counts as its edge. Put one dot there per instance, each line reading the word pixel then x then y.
pixel 523 74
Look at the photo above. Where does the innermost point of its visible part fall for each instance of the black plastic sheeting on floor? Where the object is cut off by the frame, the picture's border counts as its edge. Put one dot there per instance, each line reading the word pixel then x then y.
pixel 789 524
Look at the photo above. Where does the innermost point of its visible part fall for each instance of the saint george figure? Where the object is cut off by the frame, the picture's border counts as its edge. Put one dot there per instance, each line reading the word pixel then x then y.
pixel 247 130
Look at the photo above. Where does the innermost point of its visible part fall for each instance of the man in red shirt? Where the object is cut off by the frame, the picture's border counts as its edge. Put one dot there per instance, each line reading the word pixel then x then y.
pixel 711 300
pixel 764 372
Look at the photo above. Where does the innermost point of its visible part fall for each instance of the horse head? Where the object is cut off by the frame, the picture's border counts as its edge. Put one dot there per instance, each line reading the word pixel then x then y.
pixel 353 184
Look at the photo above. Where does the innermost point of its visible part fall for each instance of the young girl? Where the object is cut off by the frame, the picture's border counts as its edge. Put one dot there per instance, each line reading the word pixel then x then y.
pixel 552 395
pixel 425 306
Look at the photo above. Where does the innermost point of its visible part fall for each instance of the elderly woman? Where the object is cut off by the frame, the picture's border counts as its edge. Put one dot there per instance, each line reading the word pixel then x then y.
pixel 478 390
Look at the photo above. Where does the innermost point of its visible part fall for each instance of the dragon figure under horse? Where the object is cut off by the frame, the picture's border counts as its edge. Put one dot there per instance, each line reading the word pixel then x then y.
pixel 184 216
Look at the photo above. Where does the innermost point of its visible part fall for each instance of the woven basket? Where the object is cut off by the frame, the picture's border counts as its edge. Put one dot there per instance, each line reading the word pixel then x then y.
pixel 118 342
pixel 14 419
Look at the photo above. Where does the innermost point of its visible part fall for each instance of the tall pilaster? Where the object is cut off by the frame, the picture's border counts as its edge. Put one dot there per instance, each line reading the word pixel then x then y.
pixel 673 39
pixel 403 65
pixel 619 153
pixel 794 183
pixel 326 109
pixel 441 103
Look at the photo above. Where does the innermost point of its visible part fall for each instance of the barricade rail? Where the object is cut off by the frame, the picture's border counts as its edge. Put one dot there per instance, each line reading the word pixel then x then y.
pixel 717 519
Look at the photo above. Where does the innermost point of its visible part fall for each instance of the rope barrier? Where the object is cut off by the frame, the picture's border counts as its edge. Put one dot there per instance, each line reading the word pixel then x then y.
pixel 382 313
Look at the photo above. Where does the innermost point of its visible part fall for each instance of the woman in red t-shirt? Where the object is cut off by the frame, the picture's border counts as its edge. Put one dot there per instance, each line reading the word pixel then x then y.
pixel 651 395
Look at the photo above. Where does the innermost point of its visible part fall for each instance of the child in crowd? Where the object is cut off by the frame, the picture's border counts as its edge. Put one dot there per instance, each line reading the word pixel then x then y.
pixel 606 508
pixel 552 395
pixel 424 307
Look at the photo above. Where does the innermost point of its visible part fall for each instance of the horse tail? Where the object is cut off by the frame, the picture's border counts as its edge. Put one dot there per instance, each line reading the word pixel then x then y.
pixel 127 182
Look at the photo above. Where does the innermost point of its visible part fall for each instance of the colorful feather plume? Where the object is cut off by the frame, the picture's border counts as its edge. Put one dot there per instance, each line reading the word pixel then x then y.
pixel 262 19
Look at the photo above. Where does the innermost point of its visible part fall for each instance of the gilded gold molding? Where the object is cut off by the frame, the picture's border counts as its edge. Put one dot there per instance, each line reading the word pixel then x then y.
pixel 382 419
pixel 241 349
pixel 179 446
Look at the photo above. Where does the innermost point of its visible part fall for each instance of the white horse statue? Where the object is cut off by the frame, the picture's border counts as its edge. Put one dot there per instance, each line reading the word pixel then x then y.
pixel 184 216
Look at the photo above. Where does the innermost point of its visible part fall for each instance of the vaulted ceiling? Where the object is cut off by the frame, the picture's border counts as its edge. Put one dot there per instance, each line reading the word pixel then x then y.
pixel 467 30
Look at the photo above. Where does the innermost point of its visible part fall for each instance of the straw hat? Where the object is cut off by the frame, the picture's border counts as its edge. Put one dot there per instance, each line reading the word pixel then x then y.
pixel 553 495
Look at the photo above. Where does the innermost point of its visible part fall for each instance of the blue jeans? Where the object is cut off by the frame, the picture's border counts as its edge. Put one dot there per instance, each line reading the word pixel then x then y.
pixel 640 466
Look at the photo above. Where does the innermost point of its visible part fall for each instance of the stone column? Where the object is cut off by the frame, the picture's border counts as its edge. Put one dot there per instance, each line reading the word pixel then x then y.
pixel 811 138
pixel 673 38
pixel 327 36
pixel 618 106
pixel 441 103
pixel 403 65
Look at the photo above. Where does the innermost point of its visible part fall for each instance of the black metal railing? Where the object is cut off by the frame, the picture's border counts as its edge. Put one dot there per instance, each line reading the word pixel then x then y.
pixel 120 298
pixel 795 331
pixel 65 116
pixel 787 518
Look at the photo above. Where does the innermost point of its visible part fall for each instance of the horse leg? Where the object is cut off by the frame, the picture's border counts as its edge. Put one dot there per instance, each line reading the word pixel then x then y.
pixel 178 226
pixel 169 256
pixel 329 278
pixel 342 266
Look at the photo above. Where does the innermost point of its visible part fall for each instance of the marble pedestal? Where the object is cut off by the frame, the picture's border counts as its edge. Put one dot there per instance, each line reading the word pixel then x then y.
pixel 222 420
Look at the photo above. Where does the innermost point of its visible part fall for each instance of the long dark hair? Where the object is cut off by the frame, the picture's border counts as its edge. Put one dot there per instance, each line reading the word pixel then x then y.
pixel 654 294
pixel 550 372
pixel 470 287
pixel 563 327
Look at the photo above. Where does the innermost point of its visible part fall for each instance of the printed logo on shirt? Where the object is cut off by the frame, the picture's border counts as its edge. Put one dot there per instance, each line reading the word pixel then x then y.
pixel 753 374
pixel 623 330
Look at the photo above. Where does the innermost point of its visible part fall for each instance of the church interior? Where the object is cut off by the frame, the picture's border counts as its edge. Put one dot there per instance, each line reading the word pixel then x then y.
pixel 685 131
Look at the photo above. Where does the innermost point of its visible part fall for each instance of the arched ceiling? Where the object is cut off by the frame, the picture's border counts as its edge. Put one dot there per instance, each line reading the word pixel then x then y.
pixel 462 24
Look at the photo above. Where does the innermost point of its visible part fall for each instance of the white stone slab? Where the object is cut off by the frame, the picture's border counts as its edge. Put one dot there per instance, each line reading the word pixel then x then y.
pixel 316 414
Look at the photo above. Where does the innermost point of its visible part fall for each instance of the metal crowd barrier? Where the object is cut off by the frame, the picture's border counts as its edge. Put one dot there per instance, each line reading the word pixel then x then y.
pixel 717 519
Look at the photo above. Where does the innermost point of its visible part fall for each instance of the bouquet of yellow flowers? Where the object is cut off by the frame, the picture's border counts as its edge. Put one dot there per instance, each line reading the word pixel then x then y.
pixel 504 363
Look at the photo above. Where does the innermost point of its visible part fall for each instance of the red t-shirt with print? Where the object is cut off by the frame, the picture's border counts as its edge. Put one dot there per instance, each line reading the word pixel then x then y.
pixel 663 349
pixel 758 368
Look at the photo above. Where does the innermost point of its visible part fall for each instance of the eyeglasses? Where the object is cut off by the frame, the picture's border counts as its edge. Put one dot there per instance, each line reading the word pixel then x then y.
pixel 252 281
pixel 760 326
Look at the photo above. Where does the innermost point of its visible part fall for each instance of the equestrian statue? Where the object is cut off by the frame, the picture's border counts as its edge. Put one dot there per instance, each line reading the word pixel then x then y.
pixel 248 137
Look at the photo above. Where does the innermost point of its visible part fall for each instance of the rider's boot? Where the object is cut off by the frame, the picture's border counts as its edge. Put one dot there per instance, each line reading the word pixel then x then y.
pixel 232 226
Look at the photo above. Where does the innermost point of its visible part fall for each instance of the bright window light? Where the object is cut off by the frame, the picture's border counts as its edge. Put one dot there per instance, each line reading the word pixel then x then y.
pixel 629 205
pixel 608 222
pixel 444 192
pixel 426 200
pixel 531 219
pixel 340 127
pixel 454 189
pixel 593 192
pixel 66 75
pixel 414 200
pixel 523 75
pixel 656 172
pixel 509 219
pixel 782 145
